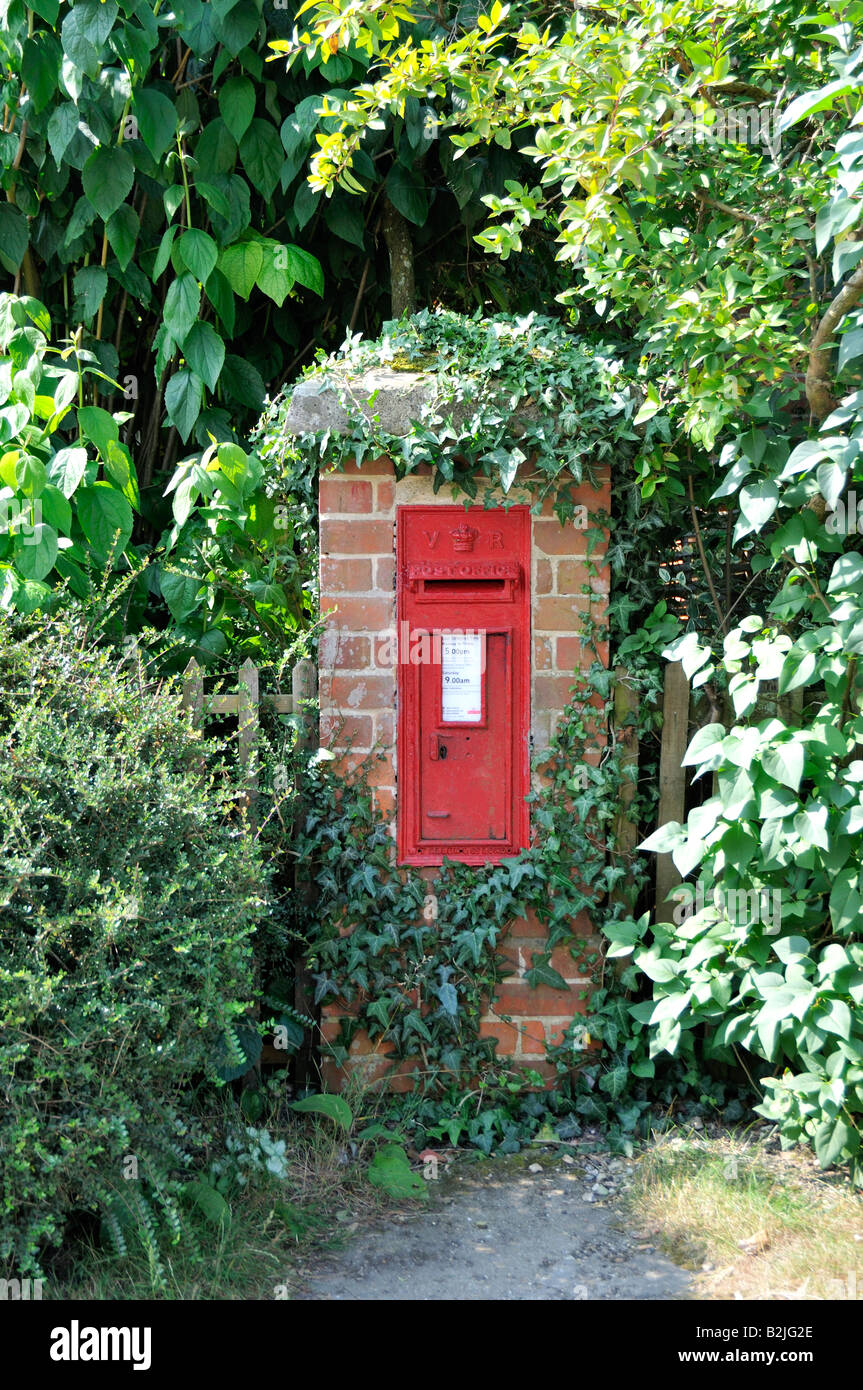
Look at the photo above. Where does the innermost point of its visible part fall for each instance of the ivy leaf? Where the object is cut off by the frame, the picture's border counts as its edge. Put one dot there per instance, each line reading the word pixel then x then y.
pixel 237 105
pixel 156 115
pixel 204 351
pixel 107 176
pixel 183 401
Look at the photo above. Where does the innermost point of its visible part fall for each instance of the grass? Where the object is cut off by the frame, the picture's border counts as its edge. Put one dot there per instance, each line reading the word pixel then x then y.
pixel 754 1222
pixel 252 1252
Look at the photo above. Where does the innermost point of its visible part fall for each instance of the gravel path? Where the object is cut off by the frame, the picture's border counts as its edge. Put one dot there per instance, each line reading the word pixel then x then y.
pixel 496 1231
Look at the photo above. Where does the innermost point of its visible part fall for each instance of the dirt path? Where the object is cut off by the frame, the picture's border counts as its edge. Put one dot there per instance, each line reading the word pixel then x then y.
pixel 496 1232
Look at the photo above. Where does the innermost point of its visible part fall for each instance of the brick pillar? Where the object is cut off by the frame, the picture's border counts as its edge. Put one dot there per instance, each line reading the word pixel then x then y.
pixel 358 694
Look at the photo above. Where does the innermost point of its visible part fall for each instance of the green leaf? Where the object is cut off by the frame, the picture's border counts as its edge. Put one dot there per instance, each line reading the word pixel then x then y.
pixel 344 218
pixel 156 115
pixel 407 193
pixel 241 381
pixel 14 237
pixel 98 426
pixel 305 268
pixel 833 1138
pixel 333 1108
pixel 107 178
pixel 183 401
pixel 182 305
pixel 85 28
pixel 66 469
pixel 61 127
pixel 40 67
pixel 391 1171
pixel 204 351
pixel 216 150
pixel 274 279
pixel 208 1200
pixel 846 903
pixel 241 264
pixel 122 229
pixel 261 154
pixel 90 284
pixel 180 592
pixel 36 553
pixel 102 512
pixel 221 296
pixel 784 762
pixel 198 253
pixel 237 105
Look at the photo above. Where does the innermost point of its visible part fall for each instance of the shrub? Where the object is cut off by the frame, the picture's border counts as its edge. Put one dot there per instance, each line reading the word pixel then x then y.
pixel 128 894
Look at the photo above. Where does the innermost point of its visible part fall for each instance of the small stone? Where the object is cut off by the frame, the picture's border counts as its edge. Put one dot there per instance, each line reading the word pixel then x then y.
pixel 535 1168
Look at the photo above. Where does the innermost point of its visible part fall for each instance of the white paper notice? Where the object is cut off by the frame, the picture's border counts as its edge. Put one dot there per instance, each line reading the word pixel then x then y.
pixel 461 677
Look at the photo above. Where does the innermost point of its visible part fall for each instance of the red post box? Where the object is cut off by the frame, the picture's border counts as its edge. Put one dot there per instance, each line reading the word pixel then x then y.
pixel 463 589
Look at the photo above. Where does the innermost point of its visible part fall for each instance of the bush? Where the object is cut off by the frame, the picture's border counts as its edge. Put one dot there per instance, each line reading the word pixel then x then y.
pixel 128 894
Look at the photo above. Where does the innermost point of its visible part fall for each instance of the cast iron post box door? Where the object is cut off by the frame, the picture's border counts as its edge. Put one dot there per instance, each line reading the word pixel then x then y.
pixel 464 642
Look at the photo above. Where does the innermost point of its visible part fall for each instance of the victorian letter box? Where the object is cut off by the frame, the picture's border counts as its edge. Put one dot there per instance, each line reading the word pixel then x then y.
pixel 463 679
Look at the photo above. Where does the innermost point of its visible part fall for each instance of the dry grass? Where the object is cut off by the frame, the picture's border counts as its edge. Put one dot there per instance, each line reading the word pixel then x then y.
pixel 754 1222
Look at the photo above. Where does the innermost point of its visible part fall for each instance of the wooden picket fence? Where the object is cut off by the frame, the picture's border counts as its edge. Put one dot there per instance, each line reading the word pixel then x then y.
pixel 246 702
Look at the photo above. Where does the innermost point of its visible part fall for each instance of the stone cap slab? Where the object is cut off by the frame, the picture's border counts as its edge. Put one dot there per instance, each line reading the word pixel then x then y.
pixel 396 399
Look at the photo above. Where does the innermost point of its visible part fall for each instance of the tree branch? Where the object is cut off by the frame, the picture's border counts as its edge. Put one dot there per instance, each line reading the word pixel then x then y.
pixel 819 372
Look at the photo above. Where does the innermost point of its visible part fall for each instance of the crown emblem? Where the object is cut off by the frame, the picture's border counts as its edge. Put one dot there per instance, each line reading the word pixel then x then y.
pixel 463 537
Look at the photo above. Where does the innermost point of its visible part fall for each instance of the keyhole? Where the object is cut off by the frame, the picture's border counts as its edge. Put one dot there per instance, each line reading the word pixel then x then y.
pixel 442 751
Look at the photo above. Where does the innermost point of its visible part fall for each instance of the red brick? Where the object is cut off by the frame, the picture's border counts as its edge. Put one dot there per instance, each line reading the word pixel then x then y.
pixel 352 576
pixel 527 926
pixel 356 537
pixel 553 539
pixel 570 655
pixel 362 691
pixel 385 729
pixel 532 1035
pixel 339 649
pixel 341 730
pixel 560 614
pixel 385 573
pixel 552 692
pixel 571 574
pixel 544 581
pixel 386 496
pixel 506 1035
pixel 341 494
pixel 377 772
pixel 542 654
pixel 522 1002
pixel 366 614
pixel 382 466
pixel 385 800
